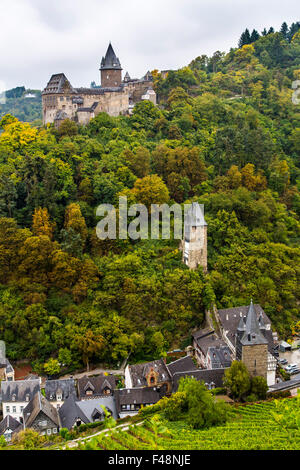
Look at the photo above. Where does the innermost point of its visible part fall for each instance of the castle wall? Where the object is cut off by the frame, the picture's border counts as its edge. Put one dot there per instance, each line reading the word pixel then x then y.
pixel 255 358
pixel 138 89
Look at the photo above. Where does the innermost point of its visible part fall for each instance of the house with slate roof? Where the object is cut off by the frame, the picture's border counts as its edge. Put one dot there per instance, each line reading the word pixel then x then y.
pixel 115 96
pixel 129 401
pixel 57 391
pixel 211 351
pixel 149 374
pixel 76 412
pixel 41 416
pixel 16 395
pixel 100 386
pixel 9 426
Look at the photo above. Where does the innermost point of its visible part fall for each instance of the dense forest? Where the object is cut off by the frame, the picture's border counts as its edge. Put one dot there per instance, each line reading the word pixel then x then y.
pixel 226 133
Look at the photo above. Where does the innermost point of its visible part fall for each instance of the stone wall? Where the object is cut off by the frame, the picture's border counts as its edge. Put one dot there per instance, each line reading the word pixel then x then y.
pixel 255 358
pixel 197 249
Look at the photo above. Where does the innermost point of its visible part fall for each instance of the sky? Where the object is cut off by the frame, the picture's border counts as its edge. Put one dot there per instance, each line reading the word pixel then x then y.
pixel 39 38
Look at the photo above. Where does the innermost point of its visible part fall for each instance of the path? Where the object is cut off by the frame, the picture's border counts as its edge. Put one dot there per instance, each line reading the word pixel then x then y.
pixel 93 372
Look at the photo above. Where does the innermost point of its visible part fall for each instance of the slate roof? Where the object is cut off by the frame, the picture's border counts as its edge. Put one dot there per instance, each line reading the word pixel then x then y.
pixel 64 386
pixel 181 365
pixel 88 407
pixel 253 334
pixel 37 404
pixel 69 412
pixel 97 384
pixel 286 385
pixel 20 389
pixel 230 319
pixel 138 373
pixel 206 375
pixel 110 61
pixel 8 423
pixel 58 83
pixel 136 396
pixel 220 356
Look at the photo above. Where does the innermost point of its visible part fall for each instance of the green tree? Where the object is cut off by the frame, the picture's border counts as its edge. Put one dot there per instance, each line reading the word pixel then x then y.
pixel 237 380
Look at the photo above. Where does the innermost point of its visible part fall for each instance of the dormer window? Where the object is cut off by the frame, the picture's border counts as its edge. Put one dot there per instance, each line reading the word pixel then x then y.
pixel 27 397
pixel 13 397
pixel 59 397
pixel 89 392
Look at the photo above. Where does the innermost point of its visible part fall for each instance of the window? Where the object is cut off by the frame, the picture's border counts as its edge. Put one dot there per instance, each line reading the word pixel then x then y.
pixel 27 397
pixel 48 432
pixel 21 408
pixel 59 397
pixel 7 409
pixel 14 397
pixel 14 410
pixel 54 430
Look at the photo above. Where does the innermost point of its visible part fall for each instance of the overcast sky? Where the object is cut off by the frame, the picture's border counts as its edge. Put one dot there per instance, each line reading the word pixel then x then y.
pixel 42 37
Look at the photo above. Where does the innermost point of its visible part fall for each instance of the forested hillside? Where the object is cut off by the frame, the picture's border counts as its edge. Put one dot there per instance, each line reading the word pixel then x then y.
pixel 25 105
pixel 226 133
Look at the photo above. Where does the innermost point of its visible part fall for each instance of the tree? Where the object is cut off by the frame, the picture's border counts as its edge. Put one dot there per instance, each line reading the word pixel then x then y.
pixel 245 38
pixel 237 380
pixel 52 367
pixel 89 344
pixel 203 411
pixel 259 387
pixel 41 224
pixel 150 190
pixel 284 30
pixel 74 220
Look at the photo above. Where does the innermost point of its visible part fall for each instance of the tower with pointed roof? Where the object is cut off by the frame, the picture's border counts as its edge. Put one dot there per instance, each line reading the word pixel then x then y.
pixel 251 343
pixel 111 70
pixel 195 238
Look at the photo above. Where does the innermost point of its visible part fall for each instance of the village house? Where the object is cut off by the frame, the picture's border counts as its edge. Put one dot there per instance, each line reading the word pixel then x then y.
pixel 9 426
pixel 130 401
pixel 57 391
pixel 15 396
pixel 75 412
pixel 150 374
pixel 92 387
pixel 211 352
pixel 41 416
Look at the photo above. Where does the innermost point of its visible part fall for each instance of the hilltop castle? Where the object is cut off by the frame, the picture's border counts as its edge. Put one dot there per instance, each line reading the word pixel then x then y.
pixel 115 96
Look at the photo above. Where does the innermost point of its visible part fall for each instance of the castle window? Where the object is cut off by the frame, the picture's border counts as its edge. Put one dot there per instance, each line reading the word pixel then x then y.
pixel 152 380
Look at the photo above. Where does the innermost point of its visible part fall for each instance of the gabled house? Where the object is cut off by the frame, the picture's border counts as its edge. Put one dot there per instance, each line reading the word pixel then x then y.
pixel 58 391
pixel 74 413
pixel 41 416
pixel 92 387
pixel 16 395
pixel 9 426
pixel 212 378
pixel 130 401
pixel 211 352
pixel 150 374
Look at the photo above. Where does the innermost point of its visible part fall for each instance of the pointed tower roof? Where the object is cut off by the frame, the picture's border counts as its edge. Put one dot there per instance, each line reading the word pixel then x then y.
pixel 195 216
pixel 127 77
pixel 253 334
pixel 110 61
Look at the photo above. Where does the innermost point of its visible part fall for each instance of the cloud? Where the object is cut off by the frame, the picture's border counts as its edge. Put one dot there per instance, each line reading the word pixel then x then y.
pixel 39 38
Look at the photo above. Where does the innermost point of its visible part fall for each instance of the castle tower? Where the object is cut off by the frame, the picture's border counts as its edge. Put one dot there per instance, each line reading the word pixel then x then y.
pixel 195 238
pixel 251 344
pixel 111 70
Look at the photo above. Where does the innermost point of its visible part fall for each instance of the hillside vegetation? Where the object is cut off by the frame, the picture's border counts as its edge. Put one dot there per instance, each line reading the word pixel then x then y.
pixel 265 426
pixel 226 134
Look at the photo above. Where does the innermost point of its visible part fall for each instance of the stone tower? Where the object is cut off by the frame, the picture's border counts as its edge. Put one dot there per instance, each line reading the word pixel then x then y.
pixel 111 70
pixel 195 238
pixel 251 344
